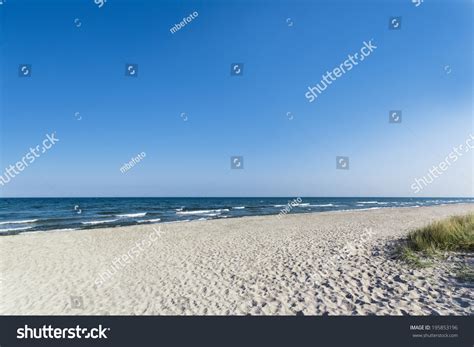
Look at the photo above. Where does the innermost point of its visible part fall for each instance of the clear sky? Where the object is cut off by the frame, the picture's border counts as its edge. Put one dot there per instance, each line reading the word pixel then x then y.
pixel 78 51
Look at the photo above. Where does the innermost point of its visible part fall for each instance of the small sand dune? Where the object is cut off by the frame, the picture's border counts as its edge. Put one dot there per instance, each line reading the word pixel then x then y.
pixel 335 263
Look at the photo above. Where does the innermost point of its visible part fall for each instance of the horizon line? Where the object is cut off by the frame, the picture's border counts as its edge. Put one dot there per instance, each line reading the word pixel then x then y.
pixel 235 197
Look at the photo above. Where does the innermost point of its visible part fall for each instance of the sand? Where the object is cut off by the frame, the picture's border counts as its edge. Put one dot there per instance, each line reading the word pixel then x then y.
pixel 336 263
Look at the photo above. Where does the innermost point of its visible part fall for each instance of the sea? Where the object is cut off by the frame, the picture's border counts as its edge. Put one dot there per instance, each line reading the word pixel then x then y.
pixel 25 215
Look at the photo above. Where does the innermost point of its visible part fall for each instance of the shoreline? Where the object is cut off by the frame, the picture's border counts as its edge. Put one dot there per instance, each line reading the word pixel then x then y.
pixel 236 217
pixel 313 263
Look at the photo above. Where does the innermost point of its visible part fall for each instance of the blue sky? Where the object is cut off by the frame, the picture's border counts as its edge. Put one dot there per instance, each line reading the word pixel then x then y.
pixel 82 69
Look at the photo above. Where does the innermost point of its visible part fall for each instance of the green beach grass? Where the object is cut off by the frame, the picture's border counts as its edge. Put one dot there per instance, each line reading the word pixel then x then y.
pixel 455 234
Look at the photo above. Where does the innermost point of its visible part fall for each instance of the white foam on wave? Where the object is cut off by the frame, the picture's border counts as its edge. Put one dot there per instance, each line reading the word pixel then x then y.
pixel 372 202
pixel 14 229
pixel 94 222
pixel 148 220
pixel 323 205
pixel 194 212
pixel 238 207
pixel 132 215
pixel 203 211
pixel 294 204
pixel 19 221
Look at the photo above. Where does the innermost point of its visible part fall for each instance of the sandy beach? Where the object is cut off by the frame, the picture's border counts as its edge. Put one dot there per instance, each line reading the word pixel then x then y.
pixel 336 263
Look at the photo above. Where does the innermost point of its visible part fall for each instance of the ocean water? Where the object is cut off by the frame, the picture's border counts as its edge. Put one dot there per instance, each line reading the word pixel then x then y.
pixel 21 215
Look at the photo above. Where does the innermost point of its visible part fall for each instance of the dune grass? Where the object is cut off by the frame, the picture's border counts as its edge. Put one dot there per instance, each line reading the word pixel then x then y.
pixel 452 234
pixel 413 258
